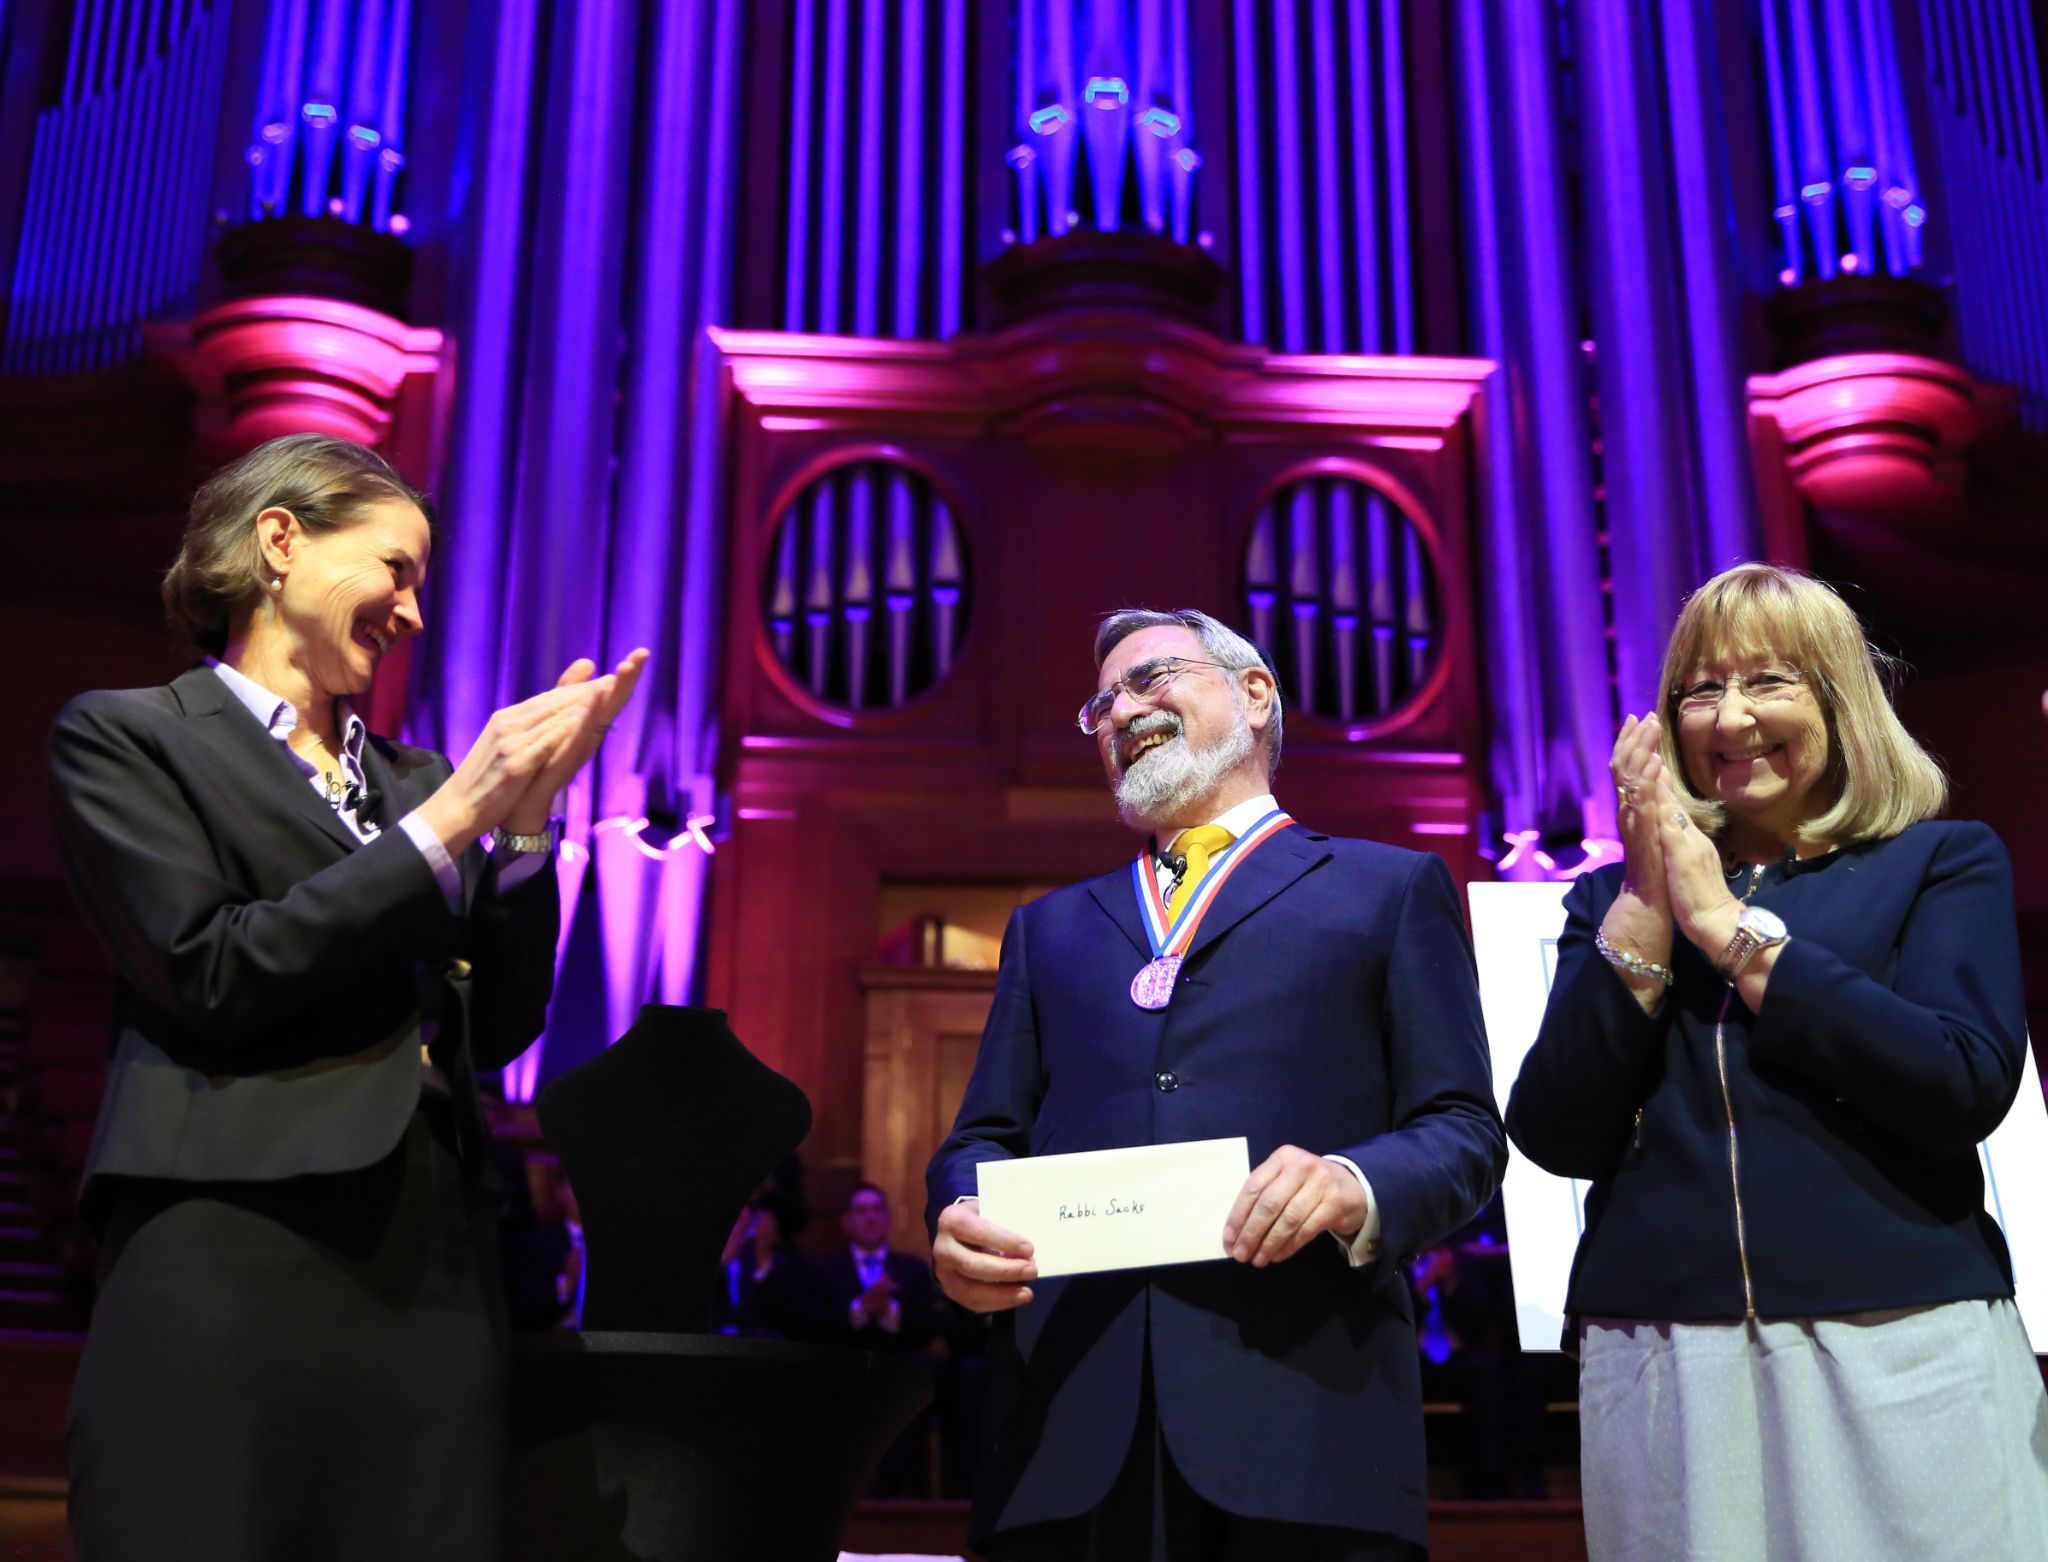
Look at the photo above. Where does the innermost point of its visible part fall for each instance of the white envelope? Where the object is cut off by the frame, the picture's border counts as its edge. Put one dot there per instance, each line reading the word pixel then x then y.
pixel 1118 1209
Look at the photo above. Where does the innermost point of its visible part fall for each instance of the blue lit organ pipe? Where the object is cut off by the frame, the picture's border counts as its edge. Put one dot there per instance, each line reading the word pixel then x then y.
pixel 782 598
pixel 1339 590
pixel 1379 553
pixel 1304 586
pixel 1251 181
pixel 818 593
pixel 1329 237
pixel 1055 120
pixel 1184 161
pixel 910 143
pixel 871 556
pixel 947 589
pixel 1324 227
pixel 114 217
pixel 1364 186
pixel 857 586
pixel 1845 186
pixel 900 584
pixel 329 131
pixel 1104 111
pixel 1291 251
pixel 1105 83
pixel 1991 146
pixel 796 273
pixel 1148 151
pixel 867 299
pixel 1024 159
pixel 868 247
pixel 1344 596
pixel 1394 115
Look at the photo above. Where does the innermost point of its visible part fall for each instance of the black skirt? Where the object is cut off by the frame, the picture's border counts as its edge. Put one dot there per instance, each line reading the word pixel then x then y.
pixel 311 1369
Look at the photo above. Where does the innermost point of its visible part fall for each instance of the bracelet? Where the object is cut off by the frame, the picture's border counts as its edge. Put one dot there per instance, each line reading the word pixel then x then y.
pixel 1628 960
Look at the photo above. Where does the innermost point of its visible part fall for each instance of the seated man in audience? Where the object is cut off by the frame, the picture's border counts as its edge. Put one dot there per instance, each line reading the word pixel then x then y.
pixel 885 1299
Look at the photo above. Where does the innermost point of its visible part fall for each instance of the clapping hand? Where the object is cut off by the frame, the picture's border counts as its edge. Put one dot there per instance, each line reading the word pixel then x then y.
pixel 875 1300
pixel 604 698
pixel 1638 769
pixel 1639 921
pixel 527 752
pixel 1701 905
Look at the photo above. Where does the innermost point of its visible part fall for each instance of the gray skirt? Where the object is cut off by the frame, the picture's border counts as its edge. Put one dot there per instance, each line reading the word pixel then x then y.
pixel 309 1371
pixel 1917 1434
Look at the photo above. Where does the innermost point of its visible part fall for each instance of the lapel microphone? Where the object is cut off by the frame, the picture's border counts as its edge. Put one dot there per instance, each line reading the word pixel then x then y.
pixel 362 801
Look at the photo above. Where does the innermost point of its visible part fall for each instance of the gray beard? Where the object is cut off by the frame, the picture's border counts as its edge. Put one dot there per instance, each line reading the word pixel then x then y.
pixel 1172 776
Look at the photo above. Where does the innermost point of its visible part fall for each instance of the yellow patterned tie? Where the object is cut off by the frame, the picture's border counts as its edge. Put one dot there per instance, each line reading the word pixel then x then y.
pixel 1198 846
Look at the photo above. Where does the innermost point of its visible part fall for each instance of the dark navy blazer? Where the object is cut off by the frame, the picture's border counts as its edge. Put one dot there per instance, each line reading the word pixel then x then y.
pixel 274 971
pixel 1328 1002
pixel 1890 1041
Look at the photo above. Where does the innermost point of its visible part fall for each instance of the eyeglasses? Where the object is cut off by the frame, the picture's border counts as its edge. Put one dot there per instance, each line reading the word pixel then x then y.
pixel 1143 683
pixel 1759 688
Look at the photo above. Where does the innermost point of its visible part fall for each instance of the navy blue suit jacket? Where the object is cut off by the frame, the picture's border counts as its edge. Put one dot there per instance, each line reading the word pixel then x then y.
pixel 1329 1001
pixel 1891 1039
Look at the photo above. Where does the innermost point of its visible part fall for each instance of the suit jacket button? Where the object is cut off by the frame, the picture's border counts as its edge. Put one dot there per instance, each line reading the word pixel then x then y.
pixel 1166 1079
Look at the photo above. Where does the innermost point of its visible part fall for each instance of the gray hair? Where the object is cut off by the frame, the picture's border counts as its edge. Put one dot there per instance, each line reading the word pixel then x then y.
pixel 1225 647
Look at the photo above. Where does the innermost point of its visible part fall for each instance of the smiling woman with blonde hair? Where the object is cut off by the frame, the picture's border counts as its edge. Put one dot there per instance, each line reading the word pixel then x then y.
pixel 1776 1034
pixel 1878 780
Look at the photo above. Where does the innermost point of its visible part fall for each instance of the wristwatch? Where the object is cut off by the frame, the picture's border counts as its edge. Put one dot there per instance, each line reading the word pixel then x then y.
pixel 513 841
pixel 1757 929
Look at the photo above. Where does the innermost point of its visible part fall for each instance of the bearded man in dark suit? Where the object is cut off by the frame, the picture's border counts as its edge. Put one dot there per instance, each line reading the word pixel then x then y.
pixel 1326 1009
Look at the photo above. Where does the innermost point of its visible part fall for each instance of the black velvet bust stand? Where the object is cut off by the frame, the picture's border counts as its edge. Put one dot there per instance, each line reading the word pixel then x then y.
pixel 643 1437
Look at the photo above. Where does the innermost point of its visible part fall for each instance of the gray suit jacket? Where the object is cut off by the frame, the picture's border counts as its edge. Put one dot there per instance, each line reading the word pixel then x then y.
pixel 274 972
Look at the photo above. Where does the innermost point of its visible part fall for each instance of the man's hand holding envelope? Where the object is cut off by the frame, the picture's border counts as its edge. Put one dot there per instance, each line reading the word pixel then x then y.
pixel 1134 1208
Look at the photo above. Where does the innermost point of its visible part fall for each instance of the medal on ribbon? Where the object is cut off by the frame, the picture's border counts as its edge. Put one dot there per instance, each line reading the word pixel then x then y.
pixel 1152 987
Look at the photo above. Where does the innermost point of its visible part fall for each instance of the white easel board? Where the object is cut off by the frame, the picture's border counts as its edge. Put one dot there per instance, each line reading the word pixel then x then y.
pixel 1515 929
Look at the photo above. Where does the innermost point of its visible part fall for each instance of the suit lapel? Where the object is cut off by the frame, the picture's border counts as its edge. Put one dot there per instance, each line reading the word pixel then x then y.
pixel 1115 894
pixel 252 754
pixel 1268 872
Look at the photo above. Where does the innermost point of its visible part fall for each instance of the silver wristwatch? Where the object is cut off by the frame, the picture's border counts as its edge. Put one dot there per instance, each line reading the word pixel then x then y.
pixel 1758 929
pixel 513 841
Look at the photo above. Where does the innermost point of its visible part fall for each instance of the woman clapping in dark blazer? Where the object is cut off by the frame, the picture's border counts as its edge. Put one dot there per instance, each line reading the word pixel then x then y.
pixel 1776 1035
pixel 295 1351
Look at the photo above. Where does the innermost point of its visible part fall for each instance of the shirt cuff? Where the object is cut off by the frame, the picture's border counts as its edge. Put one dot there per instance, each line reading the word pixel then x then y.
pixel 422 835
pixel 1363 1248
pixel 515 868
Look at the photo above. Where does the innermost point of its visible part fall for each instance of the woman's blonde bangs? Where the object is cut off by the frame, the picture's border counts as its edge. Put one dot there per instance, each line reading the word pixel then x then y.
pixel 1883 779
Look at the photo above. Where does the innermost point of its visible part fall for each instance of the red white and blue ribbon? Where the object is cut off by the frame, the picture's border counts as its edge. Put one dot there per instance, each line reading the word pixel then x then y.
pixel 1170 937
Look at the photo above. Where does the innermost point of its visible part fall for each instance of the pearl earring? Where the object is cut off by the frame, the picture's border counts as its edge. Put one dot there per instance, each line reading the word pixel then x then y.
pixel 277 582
